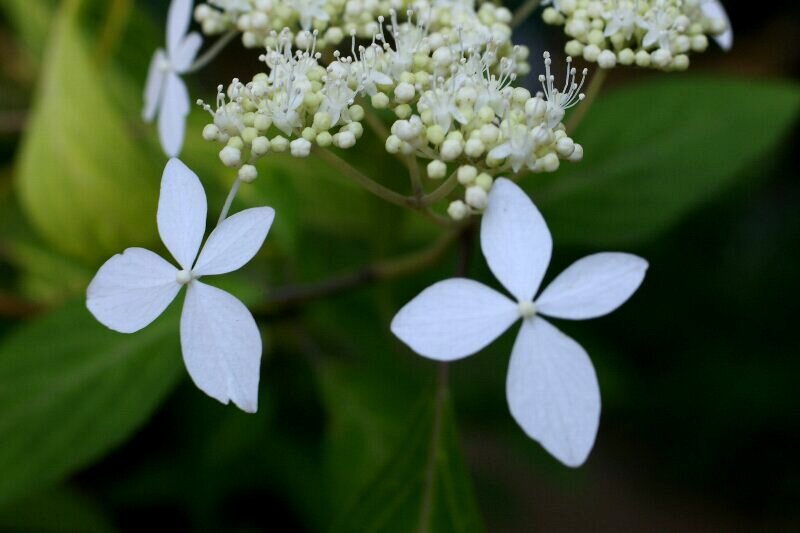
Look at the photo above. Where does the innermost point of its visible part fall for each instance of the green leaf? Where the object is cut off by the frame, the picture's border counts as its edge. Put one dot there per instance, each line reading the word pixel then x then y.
pixel 30 20
pixel 400 447
pixel 84 183
pixel 658 150
pixel 71 390
pixel 55 511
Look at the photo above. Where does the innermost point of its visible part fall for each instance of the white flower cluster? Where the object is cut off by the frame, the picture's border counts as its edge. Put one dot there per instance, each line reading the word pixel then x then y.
pixel 449 87
pixel 647 33
pixel 335 20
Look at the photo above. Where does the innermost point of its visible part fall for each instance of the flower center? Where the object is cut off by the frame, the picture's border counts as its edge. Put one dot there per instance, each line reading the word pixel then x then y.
pixel 184 276
pixel 165 65
pixel 527 309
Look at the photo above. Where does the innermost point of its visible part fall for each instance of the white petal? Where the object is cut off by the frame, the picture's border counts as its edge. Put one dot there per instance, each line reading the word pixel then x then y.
pixel 234 242
pixel 593 286
pixel 715 9
pixel 515 240
pixel 181 212
pixel 453 319
pixel 172 115
pixel 221 346
pixel 178 19
pixel 154 86
pixel 501 152
pixel 187 51
pixel 552 391
pixel 131 290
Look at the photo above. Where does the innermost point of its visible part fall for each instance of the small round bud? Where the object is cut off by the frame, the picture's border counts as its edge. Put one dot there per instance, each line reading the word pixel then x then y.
pixel 210 132
pixel 393 144
pixel 458 210
pixel 435 134
pixel 300 147
pixel 379 101
pixel 356 112
pixel 467 174
pixel 324 139
pixel 565 146
pixel 607 59
pixel 279 144
pixel 230 156
pixel 437 169
pixel 577 154
pixel 248 173
pixel 474 148
pixel 404 92
pixel 451 149
pixel 344 139
pixel 484 181
pixel 477 197
pixel 260 146
pixel 550 162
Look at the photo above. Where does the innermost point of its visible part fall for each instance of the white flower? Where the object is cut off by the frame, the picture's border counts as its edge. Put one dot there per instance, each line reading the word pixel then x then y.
pixel 714 10
pixel 219 338
pixel 551 387
pixel 165 92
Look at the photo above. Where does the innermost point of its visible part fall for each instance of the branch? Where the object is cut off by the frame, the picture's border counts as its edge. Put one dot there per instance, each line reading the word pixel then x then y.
pixel 294 296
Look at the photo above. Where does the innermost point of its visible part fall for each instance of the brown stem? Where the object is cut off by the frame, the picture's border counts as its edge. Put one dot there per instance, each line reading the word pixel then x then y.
pixel 294 296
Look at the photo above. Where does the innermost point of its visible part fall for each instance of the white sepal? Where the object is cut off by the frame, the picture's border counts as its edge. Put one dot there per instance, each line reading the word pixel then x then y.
pixel 235 241
pixel 179 17
pixel 221 346
pixel 181 212
pixel 453 319
pixel 515 240
pixel 715 10
pixel 154 86
pixel 593 286
pixel 552 391
pixel 172 115
pixel 186 53
pixel 131 290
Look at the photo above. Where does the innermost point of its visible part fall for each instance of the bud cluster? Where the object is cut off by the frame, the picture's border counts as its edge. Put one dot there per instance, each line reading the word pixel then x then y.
pixel 447 79
pixel 647 33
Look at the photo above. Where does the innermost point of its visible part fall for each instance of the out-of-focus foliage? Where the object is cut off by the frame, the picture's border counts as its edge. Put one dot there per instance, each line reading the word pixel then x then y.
pixel 657 150
pixel 84 181
pixel 71 390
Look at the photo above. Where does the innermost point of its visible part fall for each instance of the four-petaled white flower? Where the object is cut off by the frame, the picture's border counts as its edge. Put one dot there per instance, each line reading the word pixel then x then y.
pixel 551 387
pixel 165 93
pixel 219 338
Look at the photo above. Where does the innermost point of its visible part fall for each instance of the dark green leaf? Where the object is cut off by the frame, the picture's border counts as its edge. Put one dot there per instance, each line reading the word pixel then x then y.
pixel 400 448
pixel 658 150
pixel 71 390
pixel 55 511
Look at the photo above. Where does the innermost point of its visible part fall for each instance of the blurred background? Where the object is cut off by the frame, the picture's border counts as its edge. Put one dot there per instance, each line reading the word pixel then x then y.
pixel 100 431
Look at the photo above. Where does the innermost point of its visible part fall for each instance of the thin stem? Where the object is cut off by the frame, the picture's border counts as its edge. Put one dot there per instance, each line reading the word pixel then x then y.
pixel 440 397
pixel 365 181
pixel 441 192
pixel 523 12
pixel 229 201
pixel 294 296
pixel 591 94
pixel 212 52
pixel 416 178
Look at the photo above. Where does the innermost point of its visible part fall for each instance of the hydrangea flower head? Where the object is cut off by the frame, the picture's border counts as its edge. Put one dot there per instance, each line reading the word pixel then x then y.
pixel 647 33
pixel 551 388
pixel 219 338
